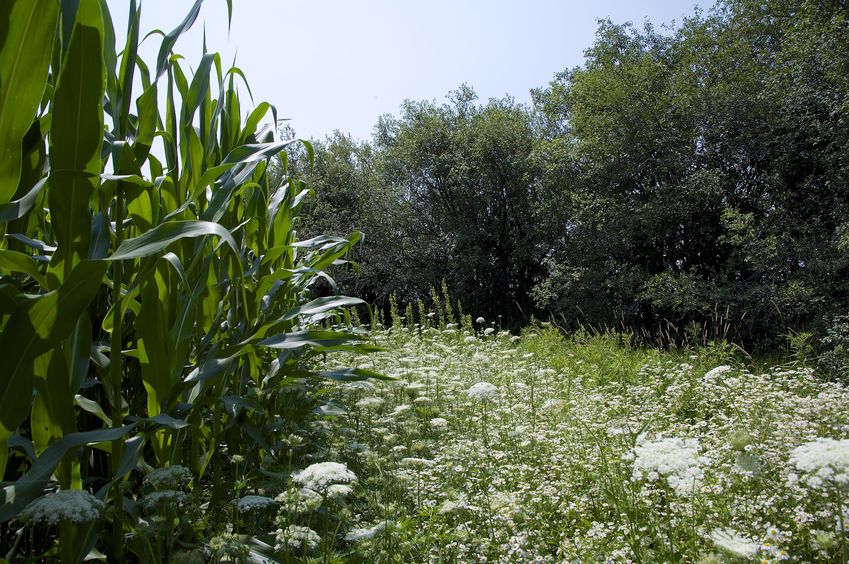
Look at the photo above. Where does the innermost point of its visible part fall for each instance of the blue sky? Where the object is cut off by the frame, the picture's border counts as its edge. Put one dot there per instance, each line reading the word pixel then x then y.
pixel 340 64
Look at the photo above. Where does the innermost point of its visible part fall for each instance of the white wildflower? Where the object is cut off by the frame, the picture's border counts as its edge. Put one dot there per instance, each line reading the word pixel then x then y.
pixel 452 505
pixel 295 537
pixel 228 546
pixel 483 391
pixel 322 474
pixel 251 502
pixel 439 423
pixel 360 385
pixel 714 373
pixel 824 461
pixel 364 533
pixel 675 459
pixel 164 500
pixel 413 462
pixel 64 505
pixel 734 543
pixel 170 478
pixel 370 403
pixel 338 490
pixel 488 331
pixel 480 320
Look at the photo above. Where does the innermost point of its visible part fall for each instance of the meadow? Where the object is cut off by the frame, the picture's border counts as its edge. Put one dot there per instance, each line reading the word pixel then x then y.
pixel 496 448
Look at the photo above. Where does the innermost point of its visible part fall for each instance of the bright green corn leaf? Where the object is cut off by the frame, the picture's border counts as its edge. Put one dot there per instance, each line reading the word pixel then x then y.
pixel 163 235
pixel 28 28
pixel 37 325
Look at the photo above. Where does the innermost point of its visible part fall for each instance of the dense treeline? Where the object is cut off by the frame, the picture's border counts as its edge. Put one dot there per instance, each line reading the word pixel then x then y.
pixel 693 181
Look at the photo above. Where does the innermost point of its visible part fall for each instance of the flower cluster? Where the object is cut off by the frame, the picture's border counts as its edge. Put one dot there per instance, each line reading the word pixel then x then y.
pixel 64 505
pixel 296 537
pixel 675 459
pixel 320 476
pixel 825 462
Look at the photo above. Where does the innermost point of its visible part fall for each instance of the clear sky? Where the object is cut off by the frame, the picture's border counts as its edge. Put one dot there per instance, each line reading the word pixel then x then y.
pixel 339 64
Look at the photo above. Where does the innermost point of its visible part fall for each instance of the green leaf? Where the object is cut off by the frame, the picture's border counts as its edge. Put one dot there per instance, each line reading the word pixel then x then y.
pixel 76 136
pixel 163 235
pixel 19 262
pixel 169 40
pixel 353 374
pixel 92 407
pixel 38 325
pixel 28 28
pixel 298 339
pixel 17 495
pixel 128 67
pixel 11 211
pixel 321 305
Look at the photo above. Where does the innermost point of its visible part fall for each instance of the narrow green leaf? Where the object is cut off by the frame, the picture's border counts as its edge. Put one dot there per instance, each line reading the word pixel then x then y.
pixel 298 339
pixel 38 325
pixel 163 235
pixel 76 135
pixel 320 305
pixel 128 67
pixel 92 407
pixel 28 28
pixel 18 494
pixel 19 262
pixel 353 374
pixel 169 40
pixel 17 209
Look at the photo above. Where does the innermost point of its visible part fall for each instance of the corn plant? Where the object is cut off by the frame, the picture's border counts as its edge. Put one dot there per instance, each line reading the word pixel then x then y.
pixel 154 297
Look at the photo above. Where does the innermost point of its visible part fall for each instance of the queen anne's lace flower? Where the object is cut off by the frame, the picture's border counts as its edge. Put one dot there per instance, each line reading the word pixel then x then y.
pixel 824 461
pixel 717 372
pixel 734 543
pixel 295 537
pixel 483 391
pixel 252 502
pixel 166 500
pixel 675 459
pixel 64 505
pixel 170 478
pixel 322 474
pixel 364 533
pixel 228 546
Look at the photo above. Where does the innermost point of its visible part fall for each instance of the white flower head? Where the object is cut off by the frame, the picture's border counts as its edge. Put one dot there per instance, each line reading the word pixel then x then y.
pixel 488 331
pixel 253 502
pixel 364 533
pixel 823 461
pixel 438 423
pixel 734 543
pixel 483 391
pixel 295 537
pixel 335 491
pixel 370 403
pixel 170 478
pixel 162 500
pixel 322 474
pixel 420 463
pixel 480 320
pixel 675 459
pixel 714 373
pixel 64 505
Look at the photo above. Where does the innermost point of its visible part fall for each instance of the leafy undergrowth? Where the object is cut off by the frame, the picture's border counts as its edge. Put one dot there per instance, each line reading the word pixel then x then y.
pixel 578 450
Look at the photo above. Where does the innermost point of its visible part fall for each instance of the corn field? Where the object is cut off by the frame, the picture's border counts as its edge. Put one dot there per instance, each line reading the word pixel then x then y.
pixel 154 298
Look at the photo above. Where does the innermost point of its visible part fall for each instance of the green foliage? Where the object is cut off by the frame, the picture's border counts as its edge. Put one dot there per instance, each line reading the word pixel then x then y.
pixel 685 184
pixel 159 312
pixel 708 172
